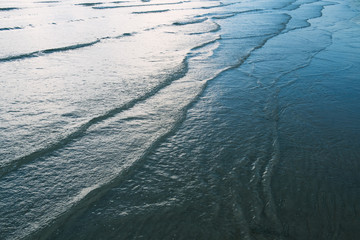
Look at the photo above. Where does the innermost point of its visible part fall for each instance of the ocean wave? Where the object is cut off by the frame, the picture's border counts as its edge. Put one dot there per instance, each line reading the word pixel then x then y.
pixel 137 5
pixel 110 7
pixel 9 9
pixel 206 43
pixel 89 4
pixel 91 194
pixel 215 29
pixel 47 2
pixel 154 11
pixel 224 16
pixel 71 47
pixel 117 2
pixel 220 5
pixel 193 21
pixel 229 14
pixel 60 49
pixel 47 51
pixel 177 73
pixel 121 35
pixel 10 28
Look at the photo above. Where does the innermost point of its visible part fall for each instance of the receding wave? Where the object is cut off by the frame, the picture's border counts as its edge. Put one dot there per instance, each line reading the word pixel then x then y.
pixel 122 35
pixel 9 9
pixel 47 2
pixel 137 5
pixel 128 34
pixel 229 14
pixel 90 4
pixel 72 47
pixel 190 22
pixel 117 2
pixel 224 16
pixel 60 49
pixel 215 29
pixel 220 5
pixel 10 28
pixel 48 51
pixel 206 44
pixel 154 11
pixel 108 7
pixel 178 73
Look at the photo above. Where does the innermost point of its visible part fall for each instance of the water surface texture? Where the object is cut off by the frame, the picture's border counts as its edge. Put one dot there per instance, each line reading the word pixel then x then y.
pixel 165 119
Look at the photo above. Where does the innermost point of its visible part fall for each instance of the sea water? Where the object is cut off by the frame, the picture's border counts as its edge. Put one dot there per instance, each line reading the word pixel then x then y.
pixel 180 119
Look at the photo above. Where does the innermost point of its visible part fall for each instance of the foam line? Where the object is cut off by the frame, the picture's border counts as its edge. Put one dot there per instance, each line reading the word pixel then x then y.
pixel 178 73
pixel 60 49
pixel 154 11
pixel 10 28
pixel 190 22
pixel 48 51
pixel 138 5
pixel 9 9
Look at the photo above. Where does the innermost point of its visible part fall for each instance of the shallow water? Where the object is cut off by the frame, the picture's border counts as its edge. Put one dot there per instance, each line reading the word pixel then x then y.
pixel 179 120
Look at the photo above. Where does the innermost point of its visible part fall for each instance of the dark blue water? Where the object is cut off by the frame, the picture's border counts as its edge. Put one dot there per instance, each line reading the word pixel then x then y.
pixel 180 120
